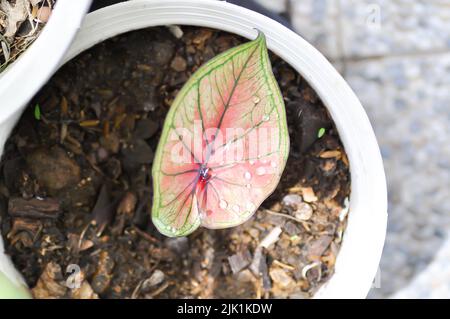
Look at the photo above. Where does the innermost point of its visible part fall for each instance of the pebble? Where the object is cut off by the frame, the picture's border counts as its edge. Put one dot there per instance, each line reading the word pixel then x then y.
pixel 292 200
pixel 300 210
pixel 155 279
pixel 53 168
pixel 304 211
pixel 178 64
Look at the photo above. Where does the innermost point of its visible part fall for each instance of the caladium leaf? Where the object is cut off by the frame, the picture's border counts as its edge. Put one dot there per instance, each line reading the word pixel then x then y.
pixel 224 144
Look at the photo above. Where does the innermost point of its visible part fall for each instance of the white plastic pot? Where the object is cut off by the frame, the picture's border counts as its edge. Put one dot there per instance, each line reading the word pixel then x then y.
pixel 18 84
pixel 358 259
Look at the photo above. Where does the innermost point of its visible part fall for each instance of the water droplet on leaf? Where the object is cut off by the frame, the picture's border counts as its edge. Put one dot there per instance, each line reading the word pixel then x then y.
pixel 223 204
pixel 248 176
pixel 260 171
pixel 256 99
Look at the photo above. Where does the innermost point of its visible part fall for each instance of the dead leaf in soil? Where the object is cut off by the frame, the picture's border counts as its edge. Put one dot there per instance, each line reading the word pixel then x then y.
pixel 331 154
pixel 308 195
pixel 50 284
pixel 15 15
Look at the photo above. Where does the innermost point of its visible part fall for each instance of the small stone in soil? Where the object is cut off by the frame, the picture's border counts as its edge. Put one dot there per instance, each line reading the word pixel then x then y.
pixel 178 64
pixel 145 129
pixel 53 168
pixel 155 279
pixel 292 200
pixel 163 52
pixel 304 211
pixel 239 261
pixel 291 228
pixel 139 152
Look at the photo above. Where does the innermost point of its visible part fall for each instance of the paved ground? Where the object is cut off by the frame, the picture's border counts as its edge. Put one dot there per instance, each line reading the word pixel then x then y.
pixel 396 57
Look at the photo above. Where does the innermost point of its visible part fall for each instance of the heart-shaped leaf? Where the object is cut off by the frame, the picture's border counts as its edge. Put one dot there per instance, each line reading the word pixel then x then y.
pixel 224 144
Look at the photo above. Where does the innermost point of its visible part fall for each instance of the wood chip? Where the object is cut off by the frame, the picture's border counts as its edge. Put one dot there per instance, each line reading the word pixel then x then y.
pixel 50 283
pixel 308 195
pixel 34 208
pixel 239 261
pixel 271 237
pixel 331 154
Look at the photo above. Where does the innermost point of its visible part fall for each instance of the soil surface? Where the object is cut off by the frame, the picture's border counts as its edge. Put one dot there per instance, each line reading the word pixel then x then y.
pixel 76 188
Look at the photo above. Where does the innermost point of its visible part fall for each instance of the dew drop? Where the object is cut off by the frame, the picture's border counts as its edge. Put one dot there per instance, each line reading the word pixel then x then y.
pixel 266 117
pixel 236 208
pixel 171 229
pixel 248 176
pixel 256 99
pixel 260 171
pixel 223 204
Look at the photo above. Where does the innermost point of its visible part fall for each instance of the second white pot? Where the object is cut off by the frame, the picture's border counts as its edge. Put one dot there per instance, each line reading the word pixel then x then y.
pixel 19 82
pixel 358 259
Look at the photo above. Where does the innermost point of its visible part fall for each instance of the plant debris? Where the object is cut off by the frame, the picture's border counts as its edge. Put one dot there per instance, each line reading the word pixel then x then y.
pixel 84 169
pixel 21 22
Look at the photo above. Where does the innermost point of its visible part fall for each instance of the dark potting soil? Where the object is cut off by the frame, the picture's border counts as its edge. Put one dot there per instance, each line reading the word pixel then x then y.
pixel 76 188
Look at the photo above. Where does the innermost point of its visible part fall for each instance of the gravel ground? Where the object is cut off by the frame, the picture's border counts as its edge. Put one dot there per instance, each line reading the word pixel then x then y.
pixel 396 57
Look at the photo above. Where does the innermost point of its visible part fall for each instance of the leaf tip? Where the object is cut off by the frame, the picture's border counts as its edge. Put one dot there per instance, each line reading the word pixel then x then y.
pixel 261 38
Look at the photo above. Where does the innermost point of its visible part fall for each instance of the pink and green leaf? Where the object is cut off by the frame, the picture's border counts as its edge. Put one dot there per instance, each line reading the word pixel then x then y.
pixel 224 144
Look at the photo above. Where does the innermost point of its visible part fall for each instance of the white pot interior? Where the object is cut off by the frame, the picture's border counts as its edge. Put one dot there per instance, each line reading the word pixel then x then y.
pixel 358 259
